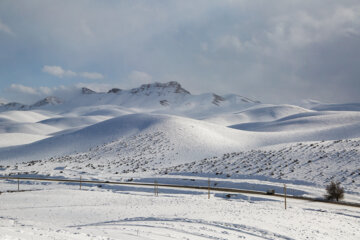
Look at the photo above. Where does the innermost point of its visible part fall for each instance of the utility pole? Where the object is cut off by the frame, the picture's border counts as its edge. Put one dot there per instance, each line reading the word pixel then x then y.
pixel 156 188
pixel 208 188
pixel 285 195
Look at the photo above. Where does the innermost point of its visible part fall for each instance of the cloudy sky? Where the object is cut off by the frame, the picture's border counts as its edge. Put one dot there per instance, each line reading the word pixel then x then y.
pixel 279 51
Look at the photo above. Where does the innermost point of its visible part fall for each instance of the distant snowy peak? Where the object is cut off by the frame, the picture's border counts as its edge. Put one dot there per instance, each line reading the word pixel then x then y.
pixel 160 89
pixel 13 106
pixel 47 101
pixel 85 90
pixel 157 96
pixel 18 106
pixel 115 90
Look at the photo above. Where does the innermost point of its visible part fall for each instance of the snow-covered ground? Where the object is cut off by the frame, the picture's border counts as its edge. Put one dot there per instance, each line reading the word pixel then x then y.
pixel 65 212
pixel 162 132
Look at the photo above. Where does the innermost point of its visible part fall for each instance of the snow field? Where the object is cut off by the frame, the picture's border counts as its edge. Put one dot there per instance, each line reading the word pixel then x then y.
pixel 93 213
pixel 161 132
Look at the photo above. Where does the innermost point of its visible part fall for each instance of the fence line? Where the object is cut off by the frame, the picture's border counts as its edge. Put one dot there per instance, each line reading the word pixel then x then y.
pixel 157 185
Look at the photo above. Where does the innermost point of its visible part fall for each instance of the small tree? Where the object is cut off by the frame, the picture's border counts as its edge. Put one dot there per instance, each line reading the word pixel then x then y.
pixel 334 191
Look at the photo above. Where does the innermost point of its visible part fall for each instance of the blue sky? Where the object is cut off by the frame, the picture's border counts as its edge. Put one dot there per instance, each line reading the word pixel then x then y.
pixel 275 51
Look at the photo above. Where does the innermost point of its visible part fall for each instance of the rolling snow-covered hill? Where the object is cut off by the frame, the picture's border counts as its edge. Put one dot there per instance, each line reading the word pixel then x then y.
pixel 162 128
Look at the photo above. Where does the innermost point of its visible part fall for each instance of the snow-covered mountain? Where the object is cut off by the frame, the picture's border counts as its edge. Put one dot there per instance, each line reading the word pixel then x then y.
pixel 168 97
pixel 46 101
pixel 171 96
pixel 162 128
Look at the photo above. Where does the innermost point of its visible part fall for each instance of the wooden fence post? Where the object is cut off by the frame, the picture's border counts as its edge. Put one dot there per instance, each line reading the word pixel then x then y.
pixel 156 188
pixel 285 195
pixel 208 188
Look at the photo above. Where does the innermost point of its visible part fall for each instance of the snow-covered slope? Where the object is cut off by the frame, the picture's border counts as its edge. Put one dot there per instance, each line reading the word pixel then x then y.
pixel 26 116
pixel 314 162
pixel 23 127
pixel 257 113
pixel 159 128
pixel 192 139
pixel 340 125
pixel 319 106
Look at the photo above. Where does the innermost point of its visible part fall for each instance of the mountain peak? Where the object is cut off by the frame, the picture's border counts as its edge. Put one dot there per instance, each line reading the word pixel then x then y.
pixel 48 100
pixel 85 90
pixel 14 106
pixel 114 90
pixel 160 88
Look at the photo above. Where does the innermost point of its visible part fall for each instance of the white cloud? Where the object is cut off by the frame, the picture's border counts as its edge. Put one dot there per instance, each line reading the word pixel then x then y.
pixel 299 29
pixel 45 90
pixel 60 72
pixel 28 95
pixel 137 78
pixel 5 28
pixel 91 75
pixel 239 45
pixel 19 88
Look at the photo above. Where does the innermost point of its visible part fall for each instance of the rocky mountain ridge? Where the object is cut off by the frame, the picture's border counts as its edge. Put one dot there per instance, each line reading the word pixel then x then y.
pixel 156 94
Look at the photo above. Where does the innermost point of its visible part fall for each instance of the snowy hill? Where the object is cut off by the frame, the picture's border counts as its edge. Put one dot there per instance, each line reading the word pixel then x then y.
pixel 337 107
pixel 192 139
pixel 257 113
pixel 162 128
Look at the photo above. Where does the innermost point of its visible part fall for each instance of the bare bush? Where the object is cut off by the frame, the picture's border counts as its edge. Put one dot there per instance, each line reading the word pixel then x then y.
pixel 334 191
